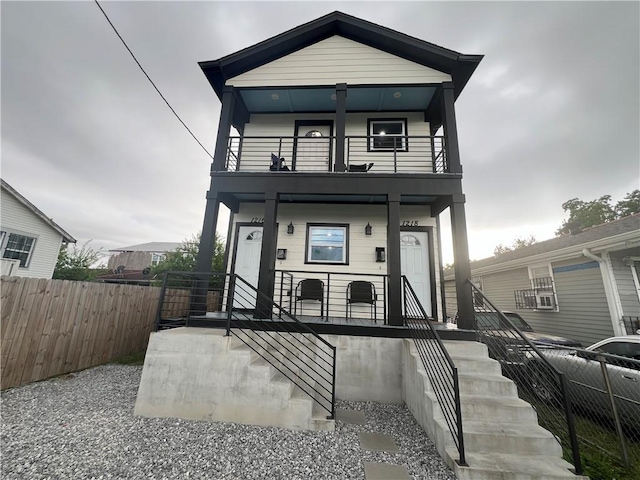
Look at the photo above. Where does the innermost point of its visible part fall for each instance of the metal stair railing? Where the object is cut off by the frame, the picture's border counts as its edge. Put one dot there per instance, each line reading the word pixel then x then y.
pixel 442 372
pixel 525 363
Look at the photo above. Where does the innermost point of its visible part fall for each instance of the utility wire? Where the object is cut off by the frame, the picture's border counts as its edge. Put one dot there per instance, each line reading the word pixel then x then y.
pixel 149 78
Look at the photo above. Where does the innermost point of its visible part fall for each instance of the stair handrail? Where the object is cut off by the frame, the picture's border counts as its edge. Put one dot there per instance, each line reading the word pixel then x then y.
pixel 419 338
pixel 562 379
pixel 279 328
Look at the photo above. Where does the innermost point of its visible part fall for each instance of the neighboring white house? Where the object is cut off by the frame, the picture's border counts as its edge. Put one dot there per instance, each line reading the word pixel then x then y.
pixel 583 285
pixel 29 240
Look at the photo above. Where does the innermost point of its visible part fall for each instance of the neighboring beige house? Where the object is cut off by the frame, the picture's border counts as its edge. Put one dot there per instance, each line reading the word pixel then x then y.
pixel 139 257
pixel 29 240
pixel 583 286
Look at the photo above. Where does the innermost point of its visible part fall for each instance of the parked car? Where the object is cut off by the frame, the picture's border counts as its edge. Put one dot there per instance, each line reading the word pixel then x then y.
pixel 496 326
pixel 587 386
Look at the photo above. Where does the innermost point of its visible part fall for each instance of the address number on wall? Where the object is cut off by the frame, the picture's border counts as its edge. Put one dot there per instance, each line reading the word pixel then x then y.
pixel 409 223
pixel 257 219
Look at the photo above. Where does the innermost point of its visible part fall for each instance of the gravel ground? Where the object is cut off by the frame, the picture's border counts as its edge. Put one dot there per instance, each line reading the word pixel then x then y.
pixel 82 426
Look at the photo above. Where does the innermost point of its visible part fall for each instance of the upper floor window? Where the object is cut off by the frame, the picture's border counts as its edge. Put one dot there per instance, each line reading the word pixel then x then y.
pixel 156 258
pixel 327 244
pixel 388 134
pixel 542 294
pixel 17 247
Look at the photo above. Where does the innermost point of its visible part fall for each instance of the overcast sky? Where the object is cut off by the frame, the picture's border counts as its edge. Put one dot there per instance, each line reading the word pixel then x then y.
pixel 551 113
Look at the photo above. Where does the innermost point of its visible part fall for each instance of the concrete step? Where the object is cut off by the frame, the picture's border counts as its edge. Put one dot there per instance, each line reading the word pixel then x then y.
pixel 481 384
pixel 488 466
pixel 507 409
pixel 509 438
pixel 460 348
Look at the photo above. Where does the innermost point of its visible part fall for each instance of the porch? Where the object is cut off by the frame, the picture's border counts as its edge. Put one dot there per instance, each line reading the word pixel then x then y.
pixel 315 152
pixel 224 301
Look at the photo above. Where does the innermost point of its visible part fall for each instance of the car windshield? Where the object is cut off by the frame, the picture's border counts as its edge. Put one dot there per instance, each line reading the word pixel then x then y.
pixel 492 321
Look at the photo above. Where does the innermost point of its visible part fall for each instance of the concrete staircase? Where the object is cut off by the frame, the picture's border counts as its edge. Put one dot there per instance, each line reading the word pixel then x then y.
pixel 200 374
pixel 503 440
pixel 293 406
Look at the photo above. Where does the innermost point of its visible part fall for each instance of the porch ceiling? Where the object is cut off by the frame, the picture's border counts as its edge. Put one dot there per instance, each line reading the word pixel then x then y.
pixel 322 198
pixel 368 98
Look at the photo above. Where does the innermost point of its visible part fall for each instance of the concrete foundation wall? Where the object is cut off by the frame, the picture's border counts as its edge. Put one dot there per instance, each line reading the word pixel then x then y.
pixel 368 368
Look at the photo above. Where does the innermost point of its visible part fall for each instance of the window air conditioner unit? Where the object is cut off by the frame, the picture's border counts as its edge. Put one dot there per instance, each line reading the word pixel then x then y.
pixel 545 302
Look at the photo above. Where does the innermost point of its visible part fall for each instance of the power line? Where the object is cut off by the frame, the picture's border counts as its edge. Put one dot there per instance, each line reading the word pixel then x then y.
pixel 149 78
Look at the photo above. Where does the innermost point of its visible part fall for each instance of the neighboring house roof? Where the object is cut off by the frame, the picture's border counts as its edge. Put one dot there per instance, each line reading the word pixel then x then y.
pixel 158 247
pixel 37 212
pixel 459 66
pixel 624 232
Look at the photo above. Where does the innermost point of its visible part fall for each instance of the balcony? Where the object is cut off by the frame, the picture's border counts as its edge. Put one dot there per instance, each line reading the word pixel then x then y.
pixel 373 154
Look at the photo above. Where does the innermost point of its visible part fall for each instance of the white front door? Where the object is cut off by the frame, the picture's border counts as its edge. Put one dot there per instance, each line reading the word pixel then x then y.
pixel 248 249
pixel 414 258
pixel 312 150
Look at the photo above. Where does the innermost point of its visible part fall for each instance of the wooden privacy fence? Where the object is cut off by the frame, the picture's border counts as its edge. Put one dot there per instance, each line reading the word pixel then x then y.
pixel 50 327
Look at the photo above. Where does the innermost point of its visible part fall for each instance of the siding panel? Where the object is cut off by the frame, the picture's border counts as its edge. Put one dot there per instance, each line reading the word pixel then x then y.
pixel 627 289
pixel 338 60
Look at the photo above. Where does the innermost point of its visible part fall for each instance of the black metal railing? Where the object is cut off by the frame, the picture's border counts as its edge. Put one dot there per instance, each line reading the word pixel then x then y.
pixel 605 394
pixel 525 363
pixel 407 154
pixel 337 299
pixel 442 372
pixel 290 346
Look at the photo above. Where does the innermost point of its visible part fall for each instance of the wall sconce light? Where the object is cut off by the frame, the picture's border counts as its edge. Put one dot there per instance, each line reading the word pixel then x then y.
pixel 367 229
pixel 380 254
pixel 290 228
pixel 281 254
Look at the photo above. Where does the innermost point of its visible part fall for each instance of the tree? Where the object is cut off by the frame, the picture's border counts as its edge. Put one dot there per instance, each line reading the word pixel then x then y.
pixel 515 244
pixel 75 263
pixel 587 214
pixel 183 258
pixel 629 205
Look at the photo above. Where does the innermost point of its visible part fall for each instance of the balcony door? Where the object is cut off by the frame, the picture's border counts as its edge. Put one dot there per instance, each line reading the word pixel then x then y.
pixel 414 259
pixel 313 146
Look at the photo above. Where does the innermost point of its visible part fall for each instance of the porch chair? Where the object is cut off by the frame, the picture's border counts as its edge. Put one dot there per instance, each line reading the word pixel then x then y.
pixel 309 289
pixel 362 292
pixel 361 167
pixel 277 164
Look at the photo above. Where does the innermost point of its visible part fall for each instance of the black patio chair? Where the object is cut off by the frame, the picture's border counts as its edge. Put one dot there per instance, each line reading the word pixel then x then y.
pixel 309 289
pixel 362 292
pixel 360 167
pixel 277 164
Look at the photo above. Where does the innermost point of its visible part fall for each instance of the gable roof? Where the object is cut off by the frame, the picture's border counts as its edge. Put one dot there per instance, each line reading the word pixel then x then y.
pixel 459 66
pixel 37 212
pixel 158 247
pixel 598 234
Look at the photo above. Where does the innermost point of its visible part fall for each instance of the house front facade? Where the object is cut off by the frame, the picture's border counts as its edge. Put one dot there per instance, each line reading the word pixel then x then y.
pixel 29 240
pixel 583 286
pixel 336 153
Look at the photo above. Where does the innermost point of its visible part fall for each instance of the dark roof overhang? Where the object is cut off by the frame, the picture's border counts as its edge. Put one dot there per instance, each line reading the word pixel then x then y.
pixel 459 66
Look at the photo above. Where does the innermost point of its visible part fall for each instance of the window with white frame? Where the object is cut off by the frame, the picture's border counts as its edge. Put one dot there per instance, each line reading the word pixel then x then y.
pixel 478 300
pixel 156 258
pixel 388 134
pixel 327 244
pixel 542 294
pixel 17 247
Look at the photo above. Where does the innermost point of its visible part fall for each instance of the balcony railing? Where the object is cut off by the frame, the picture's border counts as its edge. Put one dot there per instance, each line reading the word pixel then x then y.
pixel 405 154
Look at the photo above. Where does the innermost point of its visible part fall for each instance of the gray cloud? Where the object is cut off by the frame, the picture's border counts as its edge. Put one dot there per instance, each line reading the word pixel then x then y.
pixel 553 111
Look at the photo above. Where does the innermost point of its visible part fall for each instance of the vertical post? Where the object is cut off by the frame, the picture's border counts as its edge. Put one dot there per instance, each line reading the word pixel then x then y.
pixel 224 129
pixel 268 257
pixel 393 259
pixel 573 438
pixel 198 303
pixel 341 120
pixel 450 128
pixel 461 263
pixel 614 410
